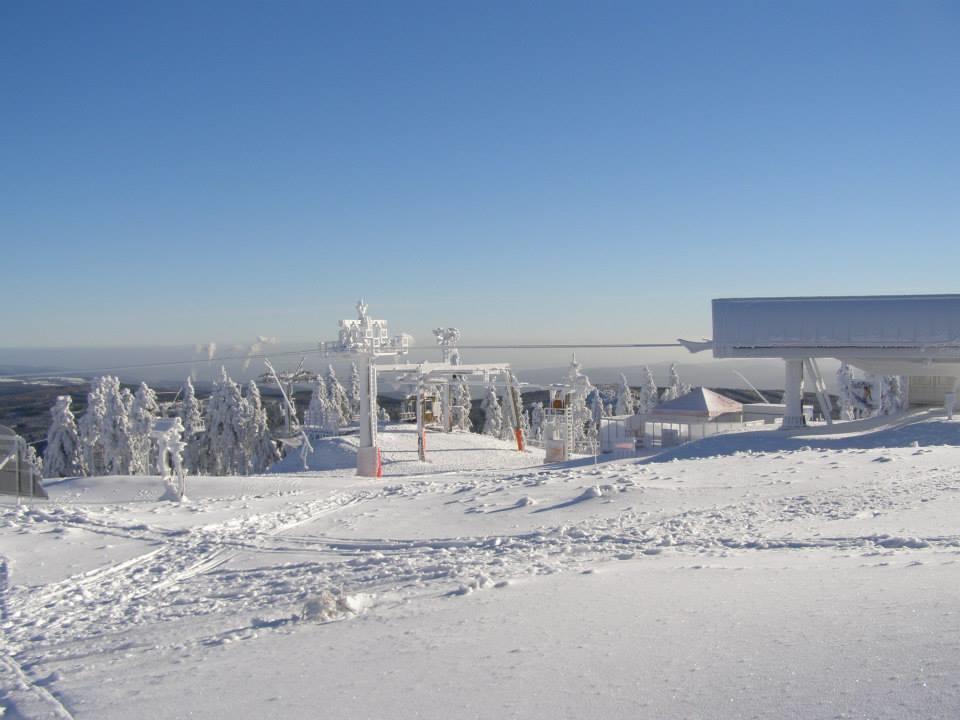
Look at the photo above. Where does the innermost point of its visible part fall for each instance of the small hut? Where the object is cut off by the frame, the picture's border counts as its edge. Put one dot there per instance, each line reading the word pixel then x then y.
pixel 698 414
pixel 18 475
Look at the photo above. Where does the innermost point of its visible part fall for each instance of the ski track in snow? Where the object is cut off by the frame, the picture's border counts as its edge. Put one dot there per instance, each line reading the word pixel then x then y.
pixel 189 574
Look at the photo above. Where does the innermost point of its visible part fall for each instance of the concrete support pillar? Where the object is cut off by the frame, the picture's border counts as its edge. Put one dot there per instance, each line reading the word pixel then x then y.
pixel 421 429
pixel 368 454
pixel 793 399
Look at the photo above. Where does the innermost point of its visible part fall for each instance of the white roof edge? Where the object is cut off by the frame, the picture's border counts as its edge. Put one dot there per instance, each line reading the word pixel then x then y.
pixel 834 298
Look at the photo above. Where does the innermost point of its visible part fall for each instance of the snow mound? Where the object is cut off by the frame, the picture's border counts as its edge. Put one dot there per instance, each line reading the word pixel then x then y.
pixel 594 491
pixel 333 605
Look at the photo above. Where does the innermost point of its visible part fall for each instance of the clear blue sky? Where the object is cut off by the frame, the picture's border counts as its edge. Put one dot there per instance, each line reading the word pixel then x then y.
pixel 188 171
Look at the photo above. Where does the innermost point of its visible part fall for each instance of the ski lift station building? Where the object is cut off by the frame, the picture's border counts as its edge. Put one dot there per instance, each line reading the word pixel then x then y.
pixel 916 336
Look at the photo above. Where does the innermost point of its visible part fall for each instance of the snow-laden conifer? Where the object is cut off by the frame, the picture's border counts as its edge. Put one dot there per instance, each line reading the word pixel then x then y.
pixel 143 414
pixel 224 421
pixel 492 413
pixel 338 397
pixel 63 456
pixel 354 391
pixel 91 428
pixel 460 411
pixel 191 417
pixel 259 449
pixel 647 398
pixel 625 403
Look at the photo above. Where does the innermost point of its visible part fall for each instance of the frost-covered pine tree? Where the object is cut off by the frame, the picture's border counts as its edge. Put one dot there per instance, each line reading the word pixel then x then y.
pixel 191 417
pixel 354 394
pixel 677 387
pixel 536 421
pixel 525 422
pixel 143 414
pixel 34 460
pixel 116 434
pixel 846 395
pixel 316 413
pixel 224 421
pixel 597 410
pixel 625 404
pixel 259 449
pixel 582 416
pixel 510 423
pixel 460 410
pixel 338 397
pixel 894 397
pixel 647 398
pixel 492 413
pixel 91 428
pixel 892 400
pixel 63 457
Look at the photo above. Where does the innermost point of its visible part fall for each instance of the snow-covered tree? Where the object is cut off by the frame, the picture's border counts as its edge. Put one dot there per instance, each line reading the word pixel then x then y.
pixel 354 394
pixel 115 432
pixel 509 421
pixel 597 410
pixel 856 395
pixel 893 399
pixel 338 397
pixel 191 417
pixel 647 398
pixel 677 388
pixel 845 392
pixel 143 414
pixel 91 428
pixel 536 421
pixel 625 404
pixel 460 410
pixel 63 456
pixel 34 460
pixel 315 413
pixel 581 414
pixel 224 421
pixel 259 449
pixel 492 413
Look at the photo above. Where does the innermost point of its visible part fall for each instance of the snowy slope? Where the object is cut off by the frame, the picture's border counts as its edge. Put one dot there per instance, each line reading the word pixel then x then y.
pixel 716 581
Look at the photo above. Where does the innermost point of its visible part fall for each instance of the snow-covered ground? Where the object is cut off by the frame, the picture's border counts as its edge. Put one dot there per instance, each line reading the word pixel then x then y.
pixel 762 575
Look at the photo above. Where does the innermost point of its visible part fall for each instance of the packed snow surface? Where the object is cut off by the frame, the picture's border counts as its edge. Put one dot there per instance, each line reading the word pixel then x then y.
pixel 748 576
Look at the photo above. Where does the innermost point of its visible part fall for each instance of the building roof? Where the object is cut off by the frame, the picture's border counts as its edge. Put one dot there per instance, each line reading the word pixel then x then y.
pixel 698 403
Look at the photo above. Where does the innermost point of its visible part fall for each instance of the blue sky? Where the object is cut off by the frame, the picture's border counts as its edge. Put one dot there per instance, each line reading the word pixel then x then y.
pixel 181 172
